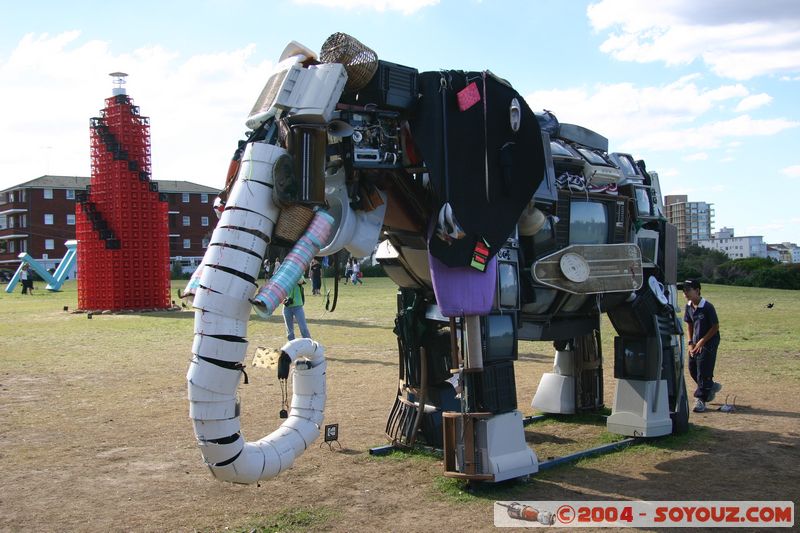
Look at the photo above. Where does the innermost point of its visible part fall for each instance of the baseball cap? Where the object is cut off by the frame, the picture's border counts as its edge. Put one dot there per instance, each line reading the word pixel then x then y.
pixel 689 284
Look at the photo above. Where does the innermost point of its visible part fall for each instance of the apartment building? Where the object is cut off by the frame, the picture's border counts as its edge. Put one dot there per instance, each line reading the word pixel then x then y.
pixel 785 252
pixel 694 220
pixel 38 216
pixel 735 247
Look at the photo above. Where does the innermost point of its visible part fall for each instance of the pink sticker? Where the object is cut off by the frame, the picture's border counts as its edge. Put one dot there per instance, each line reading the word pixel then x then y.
pixel 468 96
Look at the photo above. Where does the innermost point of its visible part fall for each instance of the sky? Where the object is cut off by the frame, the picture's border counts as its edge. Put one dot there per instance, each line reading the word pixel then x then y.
pixel 706 92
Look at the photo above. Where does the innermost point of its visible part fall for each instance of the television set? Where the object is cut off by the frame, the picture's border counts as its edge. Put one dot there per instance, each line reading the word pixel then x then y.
pixel 630 170
pixel 594 157
pixel 507 285
pixel 565 158
pixel 499 336
pixel 591 219
pixel 636 358
pixel 647 240
pixel 588 223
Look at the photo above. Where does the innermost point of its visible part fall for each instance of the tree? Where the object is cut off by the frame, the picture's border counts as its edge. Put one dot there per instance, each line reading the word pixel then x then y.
pixel 695 262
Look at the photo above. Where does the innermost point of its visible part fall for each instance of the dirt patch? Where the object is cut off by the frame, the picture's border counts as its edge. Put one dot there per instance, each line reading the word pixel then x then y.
pixel 116 452
pixel 95 434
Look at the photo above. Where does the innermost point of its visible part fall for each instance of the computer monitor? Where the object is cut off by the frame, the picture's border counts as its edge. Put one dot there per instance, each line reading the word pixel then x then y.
pixel 647 240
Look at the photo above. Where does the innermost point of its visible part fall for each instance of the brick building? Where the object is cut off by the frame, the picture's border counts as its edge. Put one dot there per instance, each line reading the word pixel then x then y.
pixel 39 215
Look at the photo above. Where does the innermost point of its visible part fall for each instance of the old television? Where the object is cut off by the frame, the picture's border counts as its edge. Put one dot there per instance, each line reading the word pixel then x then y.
pixel 647 240
pixel 499 337
pixel 627 165
pixel 645 205
pixel 565 158
pixel 507 285
pixel 594 157
pixel 636 358
pixel 591 219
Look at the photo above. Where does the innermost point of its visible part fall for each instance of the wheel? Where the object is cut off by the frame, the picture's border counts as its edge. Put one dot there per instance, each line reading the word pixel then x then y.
pixel 680 418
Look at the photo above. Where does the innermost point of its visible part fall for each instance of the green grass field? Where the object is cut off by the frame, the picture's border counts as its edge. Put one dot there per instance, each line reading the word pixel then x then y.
pixel 94 425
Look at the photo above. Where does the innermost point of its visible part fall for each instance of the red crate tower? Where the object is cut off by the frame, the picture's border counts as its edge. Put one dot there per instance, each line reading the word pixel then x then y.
pixel 121 219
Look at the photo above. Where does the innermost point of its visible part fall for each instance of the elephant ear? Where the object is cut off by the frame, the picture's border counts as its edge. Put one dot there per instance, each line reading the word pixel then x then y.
pixel 478 164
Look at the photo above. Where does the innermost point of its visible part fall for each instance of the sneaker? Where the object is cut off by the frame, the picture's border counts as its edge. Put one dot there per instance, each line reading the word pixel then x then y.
pixel 715 388
pixel 699 406
pixel 576 183
pixel 596 188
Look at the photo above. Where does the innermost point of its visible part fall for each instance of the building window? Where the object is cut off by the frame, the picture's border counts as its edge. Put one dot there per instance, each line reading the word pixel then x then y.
pixel 49 244
pixel 185 197
pixel 11 196
pixel 205 243
pixel 70 220
pixel 48 219
pixel 70 194
pixel 23 221
pixel 23 245
pixel 204 198
pixel 11 248
pixel 48 194
pixel 187 243
pixel 204 221
pixel 187 221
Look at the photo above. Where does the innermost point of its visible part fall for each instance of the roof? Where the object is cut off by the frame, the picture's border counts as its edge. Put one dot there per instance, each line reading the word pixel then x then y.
pixel 80 182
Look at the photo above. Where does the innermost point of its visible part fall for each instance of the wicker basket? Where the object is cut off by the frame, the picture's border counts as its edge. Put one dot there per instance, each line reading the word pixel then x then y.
pixel 359 61
pixel 292 222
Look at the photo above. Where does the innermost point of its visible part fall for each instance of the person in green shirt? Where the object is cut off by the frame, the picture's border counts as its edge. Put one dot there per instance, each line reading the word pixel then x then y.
pixel 293 310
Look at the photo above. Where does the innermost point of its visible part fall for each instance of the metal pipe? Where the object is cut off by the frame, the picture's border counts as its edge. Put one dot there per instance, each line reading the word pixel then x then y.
pixel 605 448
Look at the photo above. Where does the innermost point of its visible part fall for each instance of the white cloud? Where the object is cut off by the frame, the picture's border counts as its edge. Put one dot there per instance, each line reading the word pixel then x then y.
pixel 407 7
pixel 753 102
pixel 197 105
pixel 711 134
pixel 738 39
pixel 792 171
pixel 699 156
pixel 669 173
pixel 664 117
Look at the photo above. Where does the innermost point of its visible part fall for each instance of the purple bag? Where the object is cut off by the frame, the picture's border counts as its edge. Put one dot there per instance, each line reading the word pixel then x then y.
pixel 463 291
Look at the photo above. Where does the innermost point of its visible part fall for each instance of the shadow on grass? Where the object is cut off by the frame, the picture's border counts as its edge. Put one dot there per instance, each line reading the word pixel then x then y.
pixel 764 412
pixel 533 437
pixel 536 485
pixel 362 361
pixel 595 418
pixel 539 358
pixel 277 317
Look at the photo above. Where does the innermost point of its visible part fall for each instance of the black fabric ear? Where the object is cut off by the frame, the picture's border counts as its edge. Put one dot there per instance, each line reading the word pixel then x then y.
pixel 487 172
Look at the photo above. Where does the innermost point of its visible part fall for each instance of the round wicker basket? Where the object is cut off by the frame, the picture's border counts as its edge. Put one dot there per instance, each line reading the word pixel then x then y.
pixel 359 60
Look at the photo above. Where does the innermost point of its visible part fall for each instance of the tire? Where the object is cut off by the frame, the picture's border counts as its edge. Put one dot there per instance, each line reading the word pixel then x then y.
pixel 680 418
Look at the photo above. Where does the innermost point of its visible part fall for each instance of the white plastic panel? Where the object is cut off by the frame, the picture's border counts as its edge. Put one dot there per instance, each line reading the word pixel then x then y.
pixel 241 239
pixel 213 410
pixel 218 453
pixel 216 429
pixel 232 258
pixel 227 283
pixel 213 377
pixel 241 218
pixel 223 350
pixel 220 304
pixel 214 324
